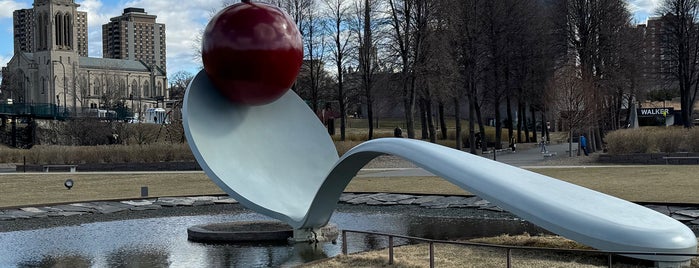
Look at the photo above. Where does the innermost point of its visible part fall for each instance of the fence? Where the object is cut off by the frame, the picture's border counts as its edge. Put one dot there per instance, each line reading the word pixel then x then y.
pixel 509 249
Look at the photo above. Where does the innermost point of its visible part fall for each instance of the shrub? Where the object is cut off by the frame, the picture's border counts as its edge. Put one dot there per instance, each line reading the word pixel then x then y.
pixel 652 140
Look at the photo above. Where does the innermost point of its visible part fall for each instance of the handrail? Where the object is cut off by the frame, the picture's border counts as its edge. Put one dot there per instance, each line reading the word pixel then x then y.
pixel 505 247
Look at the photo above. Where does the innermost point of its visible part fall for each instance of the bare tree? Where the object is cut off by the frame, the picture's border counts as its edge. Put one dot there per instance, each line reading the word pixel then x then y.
pixel 339 13
pixel 403 21
pixel 567 91
pixel 591 30
pixel 365 28
pixel 681 46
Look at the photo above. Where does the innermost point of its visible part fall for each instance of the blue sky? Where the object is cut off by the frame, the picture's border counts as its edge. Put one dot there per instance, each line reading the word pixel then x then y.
pixel 183 20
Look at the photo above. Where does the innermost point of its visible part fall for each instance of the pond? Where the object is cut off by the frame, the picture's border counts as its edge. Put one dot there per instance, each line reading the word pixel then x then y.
pixel 162 242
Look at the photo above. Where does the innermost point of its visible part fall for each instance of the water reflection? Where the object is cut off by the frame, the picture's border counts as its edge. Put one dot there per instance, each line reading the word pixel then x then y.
pixel 57 261
pixel 144 257
pixel 162 242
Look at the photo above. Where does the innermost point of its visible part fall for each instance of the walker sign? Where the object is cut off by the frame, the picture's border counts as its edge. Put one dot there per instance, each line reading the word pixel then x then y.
pixel 647 112
pixel 656 116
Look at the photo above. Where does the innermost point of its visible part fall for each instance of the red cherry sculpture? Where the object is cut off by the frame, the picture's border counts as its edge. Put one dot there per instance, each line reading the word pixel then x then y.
pixel 252 52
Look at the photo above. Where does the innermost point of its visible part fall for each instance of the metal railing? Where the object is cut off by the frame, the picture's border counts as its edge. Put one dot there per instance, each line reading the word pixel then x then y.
pixel 36 109
pixel 509 249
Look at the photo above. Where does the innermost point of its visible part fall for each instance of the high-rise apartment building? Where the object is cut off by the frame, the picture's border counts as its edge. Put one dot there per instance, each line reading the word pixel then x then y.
pixel 25 32
pixel 657 64
pixel 23 21
pixel 135 36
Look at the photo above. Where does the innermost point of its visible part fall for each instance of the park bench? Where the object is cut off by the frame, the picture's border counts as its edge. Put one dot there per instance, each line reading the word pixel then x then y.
pixel 667 158
pixel 71 167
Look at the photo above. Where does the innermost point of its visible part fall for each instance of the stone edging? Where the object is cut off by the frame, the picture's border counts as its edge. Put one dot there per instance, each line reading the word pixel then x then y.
pixel 685 214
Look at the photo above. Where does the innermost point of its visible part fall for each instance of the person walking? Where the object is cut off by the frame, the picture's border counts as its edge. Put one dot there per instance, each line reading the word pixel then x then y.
pixel 544 150
pixel 583 143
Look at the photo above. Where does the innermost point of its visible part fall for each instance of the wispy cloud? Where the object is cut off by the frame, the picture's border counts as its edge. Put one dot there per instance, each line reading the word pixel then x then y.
pixel 8 6
pixel 645 6
pixel 183 22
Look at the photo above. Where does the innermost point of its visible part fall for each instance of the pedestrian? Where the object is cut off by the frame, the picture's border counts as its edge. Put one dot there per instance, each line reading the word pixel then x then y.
pixel 583 143
pixel 513 144
pixel 544 150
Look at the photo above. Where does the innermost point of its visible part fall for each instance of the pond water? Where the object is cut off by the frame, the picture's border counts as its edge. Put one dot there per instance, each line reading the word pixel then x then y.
pixel 162 242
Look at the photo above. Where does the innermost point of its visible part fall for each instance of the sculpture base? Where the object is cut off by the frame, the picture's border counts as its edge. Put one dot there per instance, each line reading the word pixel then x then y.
pixel 241 232
pixel 327 233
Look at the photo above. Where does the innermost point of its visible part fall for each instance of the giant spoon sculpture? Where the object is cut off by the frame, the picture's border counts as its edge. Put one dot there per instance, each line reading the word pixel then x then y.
pixel 262 145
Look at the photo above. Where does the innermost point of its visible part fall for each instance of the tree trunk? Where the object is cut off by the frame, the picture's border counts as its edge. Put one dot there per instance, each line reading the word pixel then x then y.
pixel 498 125
pixel 457 122
pixel 370 116
pixel 430 121
pixel 471 124
pixel 520 117
pixel 527 138
pixel 510 120
pixel 442 121
pixel 422 109
pixel 533 125
pixel 481 127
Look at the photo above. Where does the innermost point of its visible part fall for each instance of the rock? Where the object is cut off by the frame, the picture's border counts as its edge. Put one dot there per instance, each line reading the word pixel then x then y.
pixel 74 208
pixel 145 207
pixel 137 203
pixel 662 209
pixel 682 218
pixel 392 197
pixel 689 213
pixel 226 200
pixel 426 199
pixel 174 201
pixel 446 202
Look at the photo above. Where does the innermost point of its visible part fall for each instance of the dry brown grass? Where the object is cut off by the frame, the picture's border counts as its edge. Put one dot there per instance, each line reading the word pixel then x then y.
pixel 653 140
pixel 37 188
pixel 448 255
pixel 676 184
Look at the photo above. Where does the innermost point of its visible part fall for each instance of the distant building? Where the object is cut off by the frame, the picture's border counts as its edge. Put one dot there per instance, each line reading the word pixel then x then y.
pixel 50 66
pixel 135 36
pixel 657 65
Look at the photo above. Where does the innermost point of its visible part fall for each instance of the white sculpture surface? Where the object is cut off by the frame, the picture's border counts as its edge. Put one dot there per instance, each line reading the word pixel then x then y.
pixel 278 160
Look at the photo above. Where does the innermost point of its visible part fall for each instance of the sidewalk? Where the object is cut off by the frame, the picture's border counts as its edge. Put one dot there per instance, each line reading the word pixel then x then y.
pixel 391 166
pixel 534 156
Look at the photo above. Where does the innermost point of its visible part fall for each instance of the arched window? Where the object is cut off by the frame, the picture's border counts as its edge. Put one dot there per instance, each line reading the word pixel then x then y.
pixel 40 34
pixel 160 89
pixel 84 87
pixel 57 29
pixel 67 31
pixel 97 88
pixel 146 90
pixel 134 89
pixel 122 88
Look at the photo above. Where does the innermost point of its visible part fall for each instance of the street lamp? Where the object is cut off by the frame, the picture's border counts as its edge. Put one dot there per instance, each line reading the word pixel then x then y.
pixel 64 85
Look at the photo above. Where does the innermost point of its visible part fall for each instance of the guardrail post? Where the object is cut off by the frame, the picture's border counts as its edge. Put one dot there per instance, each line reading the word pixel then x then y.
pixel 609 259
pixel 344 242
pixel 431 254
pixel 390 249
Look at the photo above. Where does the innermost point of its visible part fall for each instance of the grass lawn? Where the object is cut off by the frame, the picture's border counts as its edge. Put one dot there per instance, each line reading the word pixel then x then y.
pixel 26 189
pixel 677 184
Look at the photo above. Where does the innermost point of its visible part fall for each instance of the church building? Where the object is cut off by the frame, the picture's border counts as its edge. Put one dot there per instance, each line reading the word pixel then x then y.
pixel 50 65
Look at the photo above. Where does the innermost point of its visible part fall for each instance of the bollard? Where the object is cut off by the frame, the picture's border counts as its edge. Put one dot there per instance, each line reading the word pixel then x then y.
pixel 144 191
